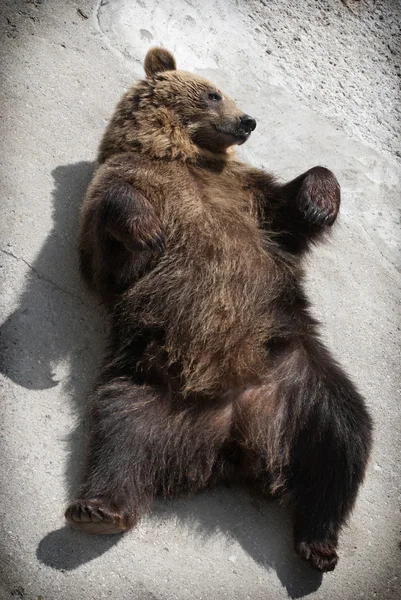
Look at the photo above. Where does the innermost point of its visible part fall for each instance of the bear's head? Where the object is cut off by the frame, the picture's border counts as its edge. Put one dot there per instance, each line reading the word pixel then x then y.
pixel 174 114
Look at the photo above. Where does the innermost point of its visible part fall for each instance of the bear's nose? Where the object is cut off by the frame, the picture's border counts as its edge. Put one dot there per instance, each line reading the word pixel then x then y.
pixel 248 122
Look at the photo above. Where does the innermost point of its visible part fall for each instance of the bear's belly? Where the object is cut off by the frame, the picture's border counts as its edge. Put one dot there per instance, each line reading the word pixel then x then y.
pixel 212 296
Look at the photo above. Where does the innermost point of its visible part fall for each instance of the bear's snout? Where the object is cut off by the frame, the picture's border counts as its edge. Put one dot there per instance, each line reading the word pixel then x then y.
pixel 248 123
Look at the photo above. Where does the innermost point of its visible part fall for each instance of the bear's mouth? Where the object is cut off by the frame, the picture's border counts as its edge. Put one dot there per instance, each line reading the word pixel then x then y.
pixel 239 136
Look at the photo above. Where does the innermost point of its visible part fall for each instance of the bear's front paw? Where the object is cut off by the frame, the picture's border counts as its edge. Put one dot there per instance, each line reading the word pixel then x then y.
pixel 142 232
pixel 319 197
pixel 321 556
pixel 147 232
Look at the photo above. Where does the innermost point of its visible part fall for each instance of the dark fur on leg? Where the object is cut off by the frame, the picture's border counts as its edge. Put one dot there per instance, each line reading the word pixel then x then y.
pixel 300 212
pixel 309 435
pixel 328 457
pixel 142 443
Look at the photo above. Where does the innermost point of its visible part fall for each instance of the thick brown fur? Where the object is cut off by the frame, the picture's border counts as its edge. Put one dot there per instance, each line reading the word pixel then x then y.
pixel 215 370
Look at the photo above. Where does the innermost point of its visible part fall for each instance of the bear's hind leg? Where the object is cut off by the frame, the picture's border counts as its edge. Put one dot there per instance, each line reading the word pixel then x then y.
pixel 329 454
pixel 307 435
pixel 113 492
pixel 142 443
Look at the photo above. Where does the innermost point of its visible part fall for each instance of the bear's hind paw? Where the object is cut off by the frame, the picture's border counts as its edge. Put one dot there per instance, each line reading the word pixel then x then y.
pixel 96 517
pixel 321 556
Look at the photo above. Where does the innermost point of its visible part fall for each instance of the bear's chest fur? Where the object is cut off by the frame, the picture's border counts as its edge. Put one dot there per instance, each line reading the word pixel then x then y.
pixel 213 290
pixel 201 205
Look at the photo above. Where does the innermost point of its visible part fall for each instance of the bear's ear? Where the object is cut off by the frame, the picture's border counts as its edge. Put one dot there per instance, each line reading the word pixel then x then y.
pixel 158 60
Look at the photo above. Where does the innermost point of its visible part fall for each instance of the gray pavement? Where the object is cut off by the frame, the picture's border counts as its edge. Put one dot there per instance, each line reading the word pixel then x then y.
pixel 62 72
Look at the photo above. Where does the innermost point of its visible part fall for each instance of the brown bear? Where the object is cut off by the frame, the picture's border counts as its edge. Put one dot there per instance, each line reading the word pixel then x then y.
pixel 215 370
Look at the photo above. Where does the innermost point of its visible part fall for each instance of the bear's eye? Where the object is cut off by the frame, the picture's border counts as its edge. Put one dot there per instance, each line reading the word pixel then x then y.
pixel 214 96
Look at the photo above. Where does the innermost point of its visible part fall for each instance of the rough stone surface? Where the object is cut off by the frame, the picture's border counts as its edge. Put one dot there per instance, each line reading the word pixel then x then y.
pixel 63 67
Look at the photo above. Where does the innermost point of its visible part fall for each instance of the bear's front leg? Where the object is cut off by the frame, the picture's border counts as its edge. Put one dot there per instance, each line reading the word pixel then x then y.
pixel 300 212
pixel 127 216
pixel 121 236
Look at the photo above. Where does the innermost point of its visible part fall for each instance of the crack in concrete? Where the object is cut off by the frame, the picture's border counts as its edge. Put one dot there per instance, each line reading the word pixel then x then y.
pixel 40 276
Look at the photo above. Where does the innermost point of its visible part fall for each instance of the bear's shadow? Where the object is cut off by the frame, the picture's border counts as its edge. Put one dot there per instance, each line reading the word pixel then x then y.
pixel 57 323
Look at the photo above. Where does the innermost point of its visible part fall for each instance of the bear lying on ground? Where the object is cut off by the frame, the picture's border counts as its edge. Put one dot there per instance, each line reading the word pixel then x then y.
pixel 215 370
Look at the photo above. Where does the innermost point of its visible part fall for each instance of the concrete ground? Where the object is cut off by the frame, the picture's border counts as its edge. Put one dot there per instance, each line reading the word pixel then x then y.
pixel 64 64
